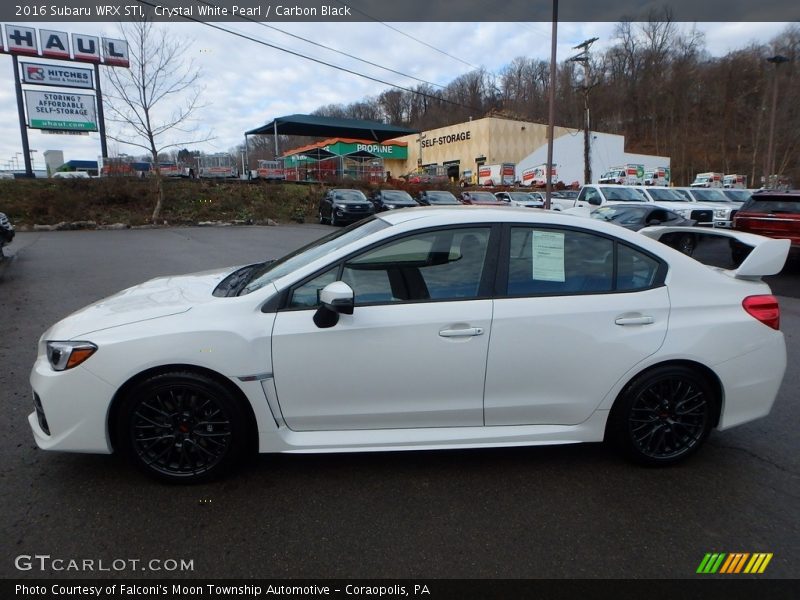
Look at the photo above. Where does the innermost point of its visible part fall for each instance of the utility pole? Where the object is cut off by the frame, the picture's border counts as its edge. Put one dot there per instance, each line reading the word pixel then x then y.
pixel 551 118
pixel 776 60
pixel 584 58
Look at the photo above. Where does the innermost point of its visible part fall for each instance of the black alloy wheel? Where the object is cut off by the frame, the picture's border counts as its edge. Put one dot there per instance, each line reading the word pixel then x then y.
pixel 181 427
pixel 663 416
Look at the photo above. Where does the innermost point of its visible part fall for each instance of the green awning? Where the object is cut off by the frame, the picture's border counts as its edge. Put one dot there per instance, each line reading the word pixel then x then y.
pixel 316 126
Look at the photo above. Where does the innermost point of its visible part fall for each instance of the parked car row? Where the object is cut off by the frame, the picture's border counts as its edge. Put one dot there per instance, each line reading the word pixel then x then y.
pixel 339 206
pixel 707 206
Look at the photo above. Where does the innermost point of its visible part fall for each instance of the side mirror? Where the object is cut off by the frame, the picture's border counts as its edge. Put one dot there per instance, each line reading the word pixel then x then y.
pixel 335 299
pixel 653 222
pixel 594 200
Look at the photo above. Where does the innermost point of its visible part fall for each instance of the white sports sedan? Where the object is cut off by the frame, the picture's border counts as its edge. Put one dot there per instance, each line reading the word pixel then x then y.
pixel 425 328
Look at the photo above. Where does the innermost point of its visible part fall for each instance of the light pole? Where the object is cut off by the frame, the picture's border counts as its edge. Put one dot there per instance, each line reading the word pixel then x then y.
pixel 776 60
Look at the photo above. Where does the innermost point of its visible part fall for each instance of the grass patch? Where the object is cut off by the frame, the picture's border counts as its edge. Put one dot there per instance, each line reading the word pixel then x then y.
pixel 124 200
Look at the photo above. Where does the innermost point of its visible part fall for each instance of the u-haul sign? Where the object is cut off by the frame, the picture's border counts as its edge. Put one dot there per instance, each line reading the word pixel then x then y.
pixel 41 74
pixel 60 45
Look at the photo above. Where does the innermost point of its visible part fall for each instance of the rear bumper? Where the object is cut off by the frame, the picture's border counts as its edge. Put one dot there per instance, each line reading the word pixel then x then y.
pixel 751 382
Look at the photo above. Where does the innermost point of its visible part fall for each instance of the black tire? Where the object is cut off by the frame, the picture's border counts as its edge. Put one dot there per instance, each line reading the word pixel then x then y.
pixel 321 218
pixel 334 222
pixel 663 416
pixel 181 427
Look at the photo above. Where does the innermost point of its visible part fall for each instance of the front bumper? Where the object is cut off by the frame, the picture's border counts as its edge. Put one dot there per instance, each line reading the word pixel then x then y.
pixel 75 405
pixel 342 215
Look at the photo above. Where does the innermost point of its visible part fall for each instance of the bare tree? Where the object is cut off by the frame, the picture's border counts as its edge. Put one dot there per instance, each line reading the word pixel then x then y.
pixel 156 97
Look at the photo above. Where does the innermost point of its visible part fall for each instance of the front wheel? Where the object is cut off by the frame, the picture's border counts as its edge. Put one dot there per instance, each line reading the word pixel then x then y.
pixel 663 416
pixel 181 427
pixel 334 222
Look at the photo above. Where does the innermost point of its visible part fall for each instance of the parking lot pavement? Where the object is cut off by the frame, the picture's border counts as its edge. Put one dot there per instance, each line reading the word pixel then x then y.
pixel 576 511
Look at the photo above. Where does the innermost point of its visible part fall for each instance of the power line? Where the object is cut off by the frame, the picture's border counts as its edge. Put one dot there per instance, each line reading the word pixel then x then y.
pixel 410 36
pixel 342 52
pixel 317 60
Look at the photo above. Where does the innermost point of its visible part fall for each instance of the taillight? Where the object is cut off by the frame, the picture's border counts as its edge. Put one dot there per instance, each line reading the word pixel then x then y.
pixel 764 308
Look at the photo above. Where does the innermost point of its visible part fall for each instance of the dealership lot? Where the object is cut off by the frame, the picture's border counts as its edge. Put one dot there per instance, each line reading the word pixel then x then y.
pixel 538 512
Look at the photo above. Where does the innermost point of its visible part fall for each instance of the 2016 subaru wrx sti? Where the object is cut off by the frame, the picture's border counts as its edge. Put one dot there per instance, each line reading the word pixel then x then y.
pixel 420 329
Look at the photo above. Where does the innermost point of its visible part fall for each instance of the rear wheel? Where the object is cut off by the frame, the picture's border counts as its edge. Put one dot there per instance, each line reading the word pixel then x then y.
pixel 663 416
pixel 181 427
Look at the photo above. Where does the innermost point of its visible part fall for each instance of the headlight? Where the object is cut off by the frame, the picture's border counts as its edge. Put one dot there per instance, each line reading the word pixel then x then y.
pixel 65 355
pixel 721 213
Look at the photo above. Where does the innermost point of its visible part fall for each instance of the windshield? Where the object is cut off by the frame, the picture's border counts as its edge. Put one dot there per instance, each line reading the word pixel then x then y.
pixel 521 196
pixel 349 196
pixel 398 196
pixel 619 214
pixel 709 195
pixel 482 196
pixel 441 198
pixel 621 193
pixel 773 205
pixel 666 195
pixel 270 272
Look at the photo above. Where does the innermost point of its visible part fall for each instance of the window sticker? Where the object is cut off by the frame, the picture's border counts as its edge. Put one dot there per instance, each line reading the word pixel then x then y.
pixel 548 256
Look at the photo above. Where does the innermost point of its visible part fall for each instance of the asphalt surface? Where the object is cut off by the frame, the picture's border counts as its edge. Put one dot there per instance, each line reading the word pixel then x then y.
pixel 576 511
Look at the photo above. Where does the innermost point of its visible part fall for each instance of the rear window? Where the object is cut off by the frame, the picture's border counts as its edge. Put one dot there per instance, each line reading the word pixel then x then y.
pixel 773 204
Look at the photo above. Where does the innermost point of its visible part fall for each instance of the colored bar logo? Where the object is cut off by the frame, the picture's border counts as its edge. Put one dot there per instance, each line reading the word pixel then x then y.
pixel 735 562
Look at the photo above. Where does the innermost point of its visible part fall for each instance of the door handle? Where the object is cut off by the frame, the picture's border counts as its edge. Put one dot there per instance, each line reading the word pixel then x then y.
pixel 640 320
pixel 469 332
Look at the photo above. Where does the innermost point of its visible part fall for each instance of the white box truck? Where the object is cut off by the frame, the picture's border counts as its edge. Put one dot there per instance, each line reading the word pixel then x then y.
pixel 629 174
pixel 502 174
pixel 537 176
pixel 707 180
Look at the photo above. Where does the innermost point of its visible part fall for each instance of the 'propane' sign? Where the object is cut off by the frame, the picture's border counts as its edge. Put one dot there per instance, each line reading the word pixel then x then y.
pixel 41 74
pixel 60 110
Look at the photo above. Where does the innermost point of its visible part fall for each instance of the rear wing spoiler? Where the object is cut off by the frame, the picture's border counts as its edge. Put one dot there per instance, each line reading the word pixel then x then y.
pixel 767 257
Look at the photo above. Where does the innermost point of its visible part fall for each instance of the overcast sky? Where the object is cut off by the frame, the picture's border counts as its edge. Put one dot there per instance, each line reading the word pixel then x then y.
pixel 247 84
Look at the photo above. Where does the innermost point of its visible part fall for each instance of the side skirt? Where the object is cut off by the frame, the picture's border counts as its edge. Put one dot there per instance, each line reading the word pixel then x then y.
pixel 441 438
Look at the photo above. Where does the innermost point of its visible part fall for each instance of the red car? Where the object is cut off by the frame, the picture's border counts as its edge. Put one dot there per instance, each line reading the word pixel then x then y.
pixel 481 198
pixel 772 214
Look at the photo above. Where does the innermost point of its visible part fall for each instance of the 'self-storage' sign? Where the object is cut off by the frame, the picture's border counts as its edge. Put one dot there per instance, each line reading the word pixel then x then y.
pixel 60 110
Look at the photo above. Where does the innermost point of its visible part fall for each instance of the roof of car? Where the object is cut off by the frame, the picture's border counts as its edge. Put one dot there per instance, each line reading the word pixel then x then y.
pixel 439 215
pixel 789 194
